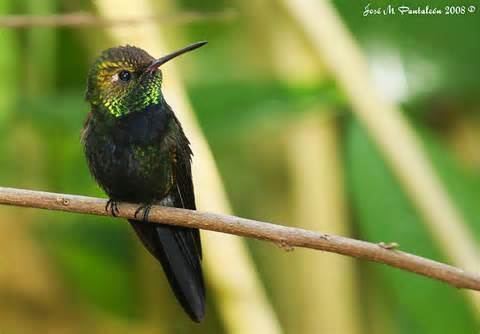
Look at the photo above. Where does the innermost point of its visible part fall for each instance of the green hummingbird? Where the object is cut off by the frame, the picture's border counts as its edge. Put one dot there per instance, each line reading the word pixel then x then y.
pixel 137 152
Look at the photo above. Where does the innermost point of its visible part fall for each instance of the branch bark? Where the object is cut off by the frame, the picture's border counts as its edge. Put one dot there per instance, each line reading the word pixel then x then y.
pixel 283 236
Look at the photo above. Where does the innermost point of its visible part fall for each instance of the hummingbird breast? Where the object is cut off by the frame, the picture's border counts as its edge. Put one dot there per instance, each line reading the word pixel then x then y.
pixel 131 158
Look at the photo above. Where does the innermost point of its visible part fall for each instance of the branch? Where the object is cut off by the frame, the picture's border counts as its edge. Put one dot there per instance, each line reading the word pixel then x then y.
pixel 285 237
pixel 89 20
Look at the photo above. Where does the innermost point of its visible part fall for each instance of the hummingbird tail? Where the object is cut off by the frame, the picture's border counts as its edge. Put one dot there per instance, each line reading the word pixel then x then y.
pixel 176 249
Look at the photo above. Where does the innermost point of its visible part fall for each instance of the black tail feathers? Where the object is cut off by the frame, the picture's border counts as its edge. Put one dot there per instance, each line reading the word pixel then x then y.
pixel 177 250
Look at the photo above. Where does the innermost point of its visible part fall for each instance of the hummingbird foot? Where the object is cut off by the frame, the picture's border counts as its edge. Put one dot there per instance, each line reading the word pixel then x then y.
pixel 112 206
pixel 146 210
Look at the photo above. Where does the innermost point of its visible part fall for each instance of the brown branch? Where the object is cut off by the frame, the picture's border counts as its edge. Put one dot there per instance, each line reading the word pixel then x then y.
pixel 80 19
pixel 285 237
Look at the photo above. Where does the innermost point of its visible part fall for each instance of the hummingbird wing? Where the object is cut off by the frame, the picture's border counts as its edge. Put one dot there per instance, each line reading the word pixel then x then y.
pixel 183 194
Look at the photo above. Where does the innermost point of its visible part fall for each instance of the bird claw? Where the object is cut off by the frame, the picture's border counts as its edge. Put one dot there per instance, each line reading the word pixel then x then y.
pixel 146 211
pixel 112 206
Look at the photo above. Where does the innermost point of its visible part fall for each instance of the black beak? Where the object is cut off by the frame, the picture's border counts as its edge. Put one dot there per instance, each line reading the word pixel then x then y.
pixel 160 61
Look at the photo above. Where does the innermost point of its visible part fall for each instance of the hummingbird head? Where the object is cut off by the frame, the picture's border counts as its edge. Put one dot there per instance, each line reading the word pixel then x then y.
pixel 126 79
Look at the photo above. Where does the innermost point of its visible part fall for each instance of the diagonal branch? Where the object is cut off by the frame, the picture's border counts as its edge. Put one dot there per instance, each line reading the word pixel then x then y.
pixel 285 237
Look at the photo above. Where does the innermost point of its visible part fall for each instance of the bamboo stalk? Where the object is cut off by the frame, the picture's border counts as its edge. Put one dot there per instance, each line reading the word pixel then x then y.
pixel 232 286
pixel 330 304
pixel 322 302
pixel 402 149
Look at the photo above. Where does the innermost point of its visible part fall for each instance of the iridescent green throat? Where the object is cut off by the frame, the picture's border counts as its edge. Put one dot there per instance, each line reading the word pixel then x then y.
pixel 136 99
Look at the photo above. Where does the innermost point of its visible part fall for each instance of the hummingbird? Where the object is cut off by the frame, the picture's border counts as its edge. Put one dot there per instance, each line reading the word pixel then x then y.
pixel 137 152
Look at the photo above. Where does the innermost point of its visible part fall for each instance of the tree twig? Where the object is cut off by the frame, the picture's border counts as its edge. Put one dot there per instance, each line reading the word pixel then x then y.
pixel 283 236
pixel 80 19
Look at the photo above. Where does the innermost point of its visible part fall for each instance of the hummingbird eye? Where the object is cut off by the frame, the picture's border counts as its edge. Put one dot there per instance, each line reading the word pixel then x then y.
pixel 125 75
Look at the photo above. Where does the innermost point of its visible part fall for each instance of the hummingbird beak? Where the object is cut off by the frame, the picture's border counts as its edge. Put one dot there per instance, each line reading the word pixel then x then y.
pixel 160 61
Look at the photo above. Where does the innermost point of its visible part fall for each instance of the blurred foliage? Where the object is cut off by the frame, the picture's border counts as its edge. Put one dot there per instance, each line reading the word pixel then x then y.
pixel 385 214
pixel 244 110
pixel 443 42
